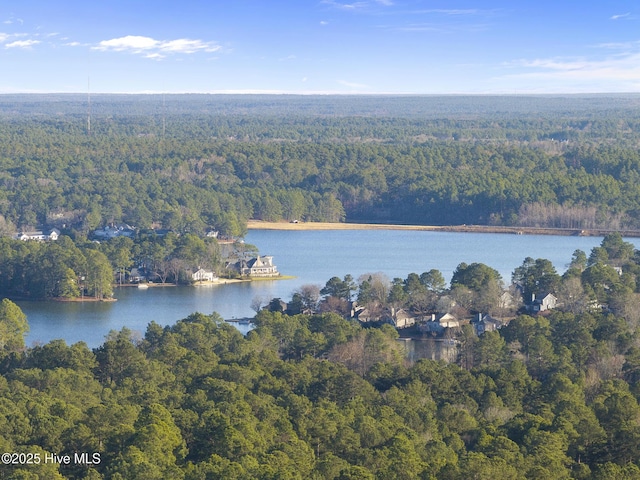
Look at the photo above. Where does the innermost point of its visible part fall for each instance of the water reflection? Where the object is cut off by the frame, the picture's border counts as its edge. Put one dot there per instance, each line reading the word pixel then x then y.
pixel 429 348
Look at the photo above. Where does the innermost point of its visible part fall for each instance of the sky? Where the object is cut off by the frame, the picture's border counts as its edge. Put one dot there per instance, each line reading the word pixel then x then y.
pixel 320 46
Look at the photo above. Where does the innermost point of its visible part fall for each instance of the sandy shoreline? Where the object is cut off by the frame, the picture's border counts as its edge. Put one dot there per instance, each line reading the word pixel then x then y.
pixel 261 225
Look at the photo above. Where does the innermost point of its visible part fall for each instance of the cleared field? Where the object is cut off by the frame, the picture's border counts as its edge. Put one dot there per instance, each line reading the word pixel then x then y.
pixel 261 225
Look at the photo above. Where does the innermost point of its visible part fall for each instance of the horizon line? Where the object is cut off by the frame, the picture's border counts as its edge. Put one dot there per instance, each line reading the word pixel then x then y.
pixel 326 93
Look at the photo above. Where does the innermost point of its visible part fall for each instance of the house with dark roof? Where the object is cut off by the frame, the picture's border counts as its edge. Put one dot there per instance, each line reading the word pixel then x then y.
pixel 547 302
pixel 485 323
pixel 260 266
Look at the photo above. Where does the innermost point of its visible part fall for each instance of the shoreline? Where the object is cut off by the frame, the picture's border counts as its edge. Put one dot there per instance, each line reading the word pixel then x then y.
pixel 309 226
pixel 224 281
pixel 78 299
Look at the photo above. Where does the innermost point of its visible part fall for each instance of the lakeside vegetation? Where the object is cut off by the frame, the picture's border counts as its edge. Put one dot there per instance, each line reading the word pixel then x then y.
pixel 72 269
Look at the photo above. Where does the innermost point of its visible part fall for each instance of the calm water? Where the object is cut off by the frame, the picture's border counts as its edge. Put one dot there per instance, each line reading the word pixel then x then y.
pixel 313 257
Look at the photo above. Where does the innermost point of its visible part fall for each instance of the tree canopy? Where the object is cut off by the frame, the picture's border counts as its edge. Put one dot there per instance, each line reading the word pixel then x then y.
pixel 538 161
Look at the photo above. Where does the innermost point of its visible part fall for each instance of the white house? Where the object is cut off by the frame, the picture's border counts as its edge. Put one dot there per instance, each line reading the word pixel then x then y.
pixel 439 323
pixel 202 275
pixel 39 235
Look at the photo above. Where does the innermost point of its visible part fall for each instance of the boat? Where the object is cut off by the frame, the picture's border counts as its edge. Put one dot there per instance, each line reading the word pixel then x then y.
pixel 143 286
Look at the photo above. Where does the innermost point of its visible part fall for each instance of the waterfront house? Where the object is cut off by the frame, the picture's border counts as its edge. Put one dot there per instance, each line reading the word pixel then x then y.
pixel 136 276
pixel 400 318
pixel 202 275
pixel 260 266
pixel 439 323
pixel 373 312
pixel 446 320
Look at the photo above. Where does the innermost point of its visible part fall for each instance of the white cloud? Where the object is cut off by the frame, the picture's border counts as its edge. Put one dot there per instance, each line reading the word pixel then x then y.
pixel 613 73
pixel 4 37
pixel 13 20
pixel 350 6
pixel 130 42
pixel 623 46
pixel 623 15
pixel 555 64
pixel 22 44
pixel 446 21
pixel 455 12
pixel 442 27
pixel 152 48
pixel 185 45
pixel 357 6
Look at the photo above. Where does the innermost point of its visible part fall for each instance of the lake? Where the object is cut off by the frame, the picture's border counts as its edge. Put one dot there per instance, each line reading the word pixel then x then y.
pixel 310 256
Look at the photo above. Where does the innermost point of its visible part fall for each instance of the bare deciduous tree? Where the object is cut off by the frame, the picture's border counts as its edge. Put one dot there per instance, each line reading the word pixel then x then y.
pixel 571 296
pixel 310 294
pixel 257 303
pixel 563 216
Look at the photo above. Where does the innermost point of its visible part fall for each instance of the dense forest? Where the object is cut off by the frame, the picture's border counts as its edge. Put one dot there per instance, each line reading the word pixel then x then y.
pixel 192 162
pixel 319 397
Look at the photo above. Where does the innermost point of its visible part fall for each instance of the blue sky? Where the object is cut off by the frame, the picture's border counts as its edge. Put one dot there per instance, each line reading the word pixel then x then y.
pixel 320 46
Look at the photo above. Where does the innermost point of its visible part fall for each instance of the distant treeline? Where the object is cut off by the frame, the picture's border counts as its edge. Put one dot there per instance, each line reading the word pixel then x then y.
pixel 193 162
